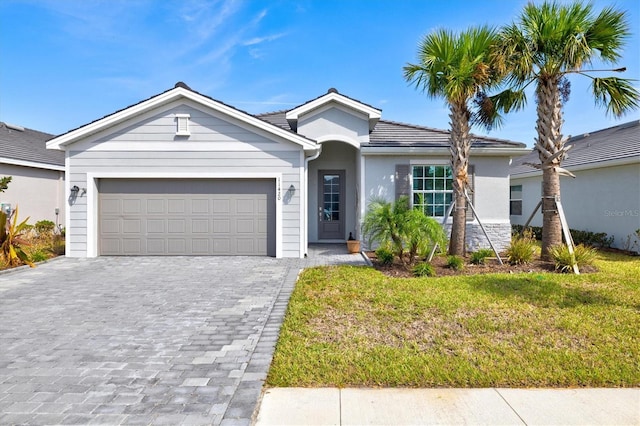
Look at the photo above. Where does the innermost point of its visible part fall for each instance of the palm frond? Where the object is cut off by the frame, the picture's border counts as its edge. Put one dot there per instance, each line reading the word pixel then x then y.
pixel 617 95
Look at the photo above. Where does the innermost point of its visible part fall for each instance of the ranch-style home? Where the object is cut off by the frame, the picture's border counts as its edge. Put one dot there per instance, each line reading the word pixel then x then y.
pixel 37 175
pixel 605 194
pixel 181 173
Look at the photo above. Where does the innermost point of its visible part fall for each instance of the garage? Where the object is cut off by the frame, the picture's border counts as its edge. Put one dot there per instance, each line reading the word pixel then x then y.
pixel 200 217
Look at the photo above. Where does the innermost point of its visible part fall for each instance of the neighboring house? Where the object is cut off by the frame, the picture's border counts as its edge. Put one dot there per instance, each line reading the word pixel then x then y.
pixel 37 185
pixel 605 194
pixel 184 174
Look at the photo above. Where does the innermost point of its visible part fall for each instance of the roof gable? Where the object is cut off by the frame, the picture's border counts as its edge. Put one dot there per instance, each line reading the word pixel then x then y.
pixel 333 97
pixel 179 92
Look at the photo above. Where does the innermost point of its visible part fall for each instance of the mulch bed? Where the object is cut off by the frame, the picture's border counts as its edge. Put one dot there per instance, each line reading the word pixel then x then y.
pixel 491 266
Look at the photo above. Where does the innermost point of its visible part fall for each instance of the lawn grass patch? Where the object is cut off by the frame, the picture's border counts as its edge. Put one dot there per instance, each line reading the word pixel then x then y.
pixel 353 326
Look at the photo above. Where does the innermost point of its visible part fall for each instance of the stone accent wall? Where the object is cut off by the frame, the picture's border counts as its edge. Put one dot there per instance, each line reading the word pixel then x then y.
pixel 500 234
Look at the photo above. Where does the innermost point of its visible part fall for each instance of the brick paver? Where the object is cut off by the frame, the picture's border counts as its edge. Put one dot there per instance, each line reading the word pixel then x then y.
pixel 151 340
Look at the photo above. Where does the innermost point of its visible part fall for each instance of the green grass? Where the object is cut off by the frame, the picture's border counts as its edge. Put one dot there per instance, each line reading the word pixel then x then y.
pixel 353 326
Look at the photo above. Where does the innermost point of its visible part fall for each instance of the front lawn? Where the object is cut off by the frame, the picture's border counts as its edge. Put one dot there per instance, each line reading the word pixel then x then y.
pixel 353 326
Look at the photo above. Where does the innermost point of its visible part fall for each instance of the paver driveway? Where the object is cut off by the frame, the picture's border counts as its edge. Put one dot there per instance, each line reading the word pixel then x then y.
pixel 139 340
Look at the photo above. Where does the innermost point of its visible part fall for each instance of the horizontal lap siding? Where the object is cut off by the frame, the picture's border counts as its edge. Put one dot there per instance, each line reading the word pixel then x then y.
pixel 240 156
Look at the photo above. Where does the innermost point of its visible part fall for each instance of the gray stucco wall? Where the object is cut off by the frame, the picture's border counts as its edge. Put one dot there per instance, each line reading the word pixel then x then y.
pixel 605 199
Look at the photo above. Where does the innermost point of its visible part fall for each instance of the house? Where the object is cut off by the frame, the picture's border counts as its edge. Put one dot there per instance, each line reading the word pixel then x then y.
pixel 37 184
pixel 181 173
pixel 605 194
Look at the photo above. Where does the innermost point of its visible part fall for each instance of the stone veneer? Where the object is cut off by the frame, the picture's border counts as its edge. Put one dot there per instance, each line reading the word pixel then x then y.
pixel 500 234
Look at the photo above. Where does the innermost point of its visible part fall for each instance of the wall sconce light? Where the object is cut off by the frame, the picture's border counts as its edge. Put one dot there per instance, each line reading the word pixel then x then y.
pixel 292 189
pixel 75 190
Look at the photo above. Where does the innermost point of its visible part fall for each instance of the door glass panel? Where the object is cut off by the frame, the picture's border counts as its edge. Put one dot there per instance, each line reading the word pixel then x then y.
pixel 331 197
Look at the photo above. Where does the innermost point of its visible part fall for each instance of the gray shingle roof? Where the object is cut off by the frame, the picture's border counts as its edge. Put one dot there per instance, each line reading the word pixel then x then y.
pixel 594 148
pixel 395 134
pixel 23 144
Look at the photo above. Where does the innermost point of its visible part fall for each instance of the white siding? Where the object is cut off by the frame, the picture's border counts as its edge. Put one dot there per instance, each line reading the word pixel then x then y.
pixel 214 147
pixel 597 200
pixel 37 193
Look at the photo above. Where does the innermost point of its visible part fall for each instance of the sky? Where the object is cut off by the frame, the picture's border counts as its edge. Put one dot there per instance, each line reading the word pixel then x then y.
pixel 65 63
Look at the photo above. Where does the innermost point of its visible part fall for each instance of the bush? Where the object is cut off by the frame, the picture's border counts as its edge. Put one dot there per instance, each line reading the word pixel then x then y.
pixel 384 255
pixel 564 261
pixel 403 229
pixel 424 269
pixel 478 257
pixel 44 227
pixel 535 231
pixel 593 239
pixel 455 262
pixel 521 249
pixel 38 256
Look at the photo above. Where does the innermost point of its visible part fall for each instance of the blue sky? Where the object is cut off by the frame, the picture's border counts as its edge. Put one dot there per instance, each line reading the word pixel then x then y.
pixel 64 63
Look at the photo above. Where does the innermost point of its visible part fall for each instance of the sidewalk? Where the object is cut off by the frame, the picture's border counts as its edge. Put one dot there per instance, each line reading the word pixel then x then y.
pixel 359 406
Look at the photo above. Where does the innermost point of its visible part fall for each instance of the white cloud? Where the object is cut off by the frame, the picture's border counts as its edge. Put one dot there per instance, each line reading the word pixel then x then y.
pixel 259 40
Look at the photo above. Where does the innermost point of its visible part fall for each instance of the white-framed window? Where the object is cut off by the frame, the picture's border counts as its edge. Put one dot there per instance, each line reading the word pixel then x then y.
pixel 182 124
pixel 432 188
pixel 515 200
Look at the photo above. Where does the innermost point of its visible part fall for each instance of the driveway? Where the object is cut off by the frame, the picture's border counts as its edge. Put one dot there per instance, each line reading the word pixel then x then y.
pixel 116 340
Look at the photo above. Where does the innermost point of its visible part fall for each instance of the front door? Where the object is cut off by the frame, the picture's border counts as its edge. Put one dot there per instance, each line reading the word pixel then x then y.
pixel 331 214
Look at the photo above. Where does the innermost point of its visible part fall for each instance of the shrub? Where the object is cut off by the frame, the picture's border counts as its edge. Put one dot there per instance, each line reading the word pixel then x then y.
pixel 384 255
pixel 424 269
pixel 564 261
pixel 521 249
pixel 38 256
pixel 535 231
pixel 13 244
pixel 403 229
pixel 455 262
pixel 478 257
pixel 44 227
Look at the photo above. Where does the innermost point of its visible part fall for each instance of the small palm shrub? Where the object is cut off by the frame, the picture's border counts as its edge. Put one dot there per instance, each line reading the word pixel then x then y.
pixel 384 255
pixel 455 262
pixel 478 257
pixel 405 230
pixel 564 261
pixel 521 249
pixel 14 241
pixel 424 269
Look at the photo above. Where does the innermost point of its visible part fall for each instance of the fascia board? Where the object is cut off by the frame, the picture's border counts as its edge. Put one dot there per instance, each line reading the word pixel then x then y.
pixel 33 164
pixel 164 98
pixel 581 167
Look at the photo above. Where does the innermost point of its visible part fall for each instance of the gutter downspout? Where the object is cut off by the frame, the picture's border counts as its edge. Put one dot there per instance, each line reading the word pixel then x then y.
pixel 306 198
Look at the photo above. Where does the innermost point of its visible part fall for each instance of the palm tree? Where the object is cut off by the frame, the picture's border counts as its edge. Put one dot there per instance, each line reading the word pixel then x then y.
pixel 548 43
pixel 459 68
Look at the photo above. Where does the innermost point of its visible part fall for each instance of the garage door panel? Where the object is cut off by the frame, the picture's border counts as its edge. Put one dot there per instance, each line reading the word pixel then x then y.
pixel 200 217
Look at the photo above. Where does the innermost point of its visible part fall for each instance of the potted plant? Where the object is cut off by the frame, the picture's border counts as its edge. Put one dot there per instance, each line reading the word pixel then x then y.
pixel 353 245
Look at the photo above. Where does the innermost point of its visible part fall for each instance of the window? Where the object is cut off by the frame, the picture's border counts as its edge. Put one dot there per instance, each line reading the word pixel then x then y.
pixel 515 200
pixel 432 189
pixel 182 125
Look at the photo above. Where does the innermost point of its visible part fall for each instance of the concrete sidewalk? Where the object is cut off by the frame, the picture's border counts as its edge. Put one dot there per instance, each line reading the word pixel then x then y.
pixel 331 406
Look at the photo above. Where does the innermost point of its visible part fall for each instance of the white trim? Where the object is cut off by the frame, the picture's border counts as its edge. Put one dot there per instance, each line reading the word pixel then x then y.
pixel 363 198
pixel 182 122
pixel 92 198
pixel 164 98
pixel 417 150
pixel 430 162
pixel 339 138
pixel 68 207
pixel 33 164
pixel 302 193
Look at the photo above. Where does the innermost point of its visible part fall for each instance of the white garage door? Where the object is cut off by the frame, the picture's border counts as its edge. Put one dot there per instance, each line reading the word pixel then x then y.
pixel 155 217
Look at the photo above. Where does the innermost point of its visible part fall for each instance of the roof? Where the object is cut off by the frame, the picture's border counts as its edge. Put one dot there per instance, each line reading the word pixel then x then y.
pixel 592 150
pixel 180 90
pixel 22 146
pixel 394 134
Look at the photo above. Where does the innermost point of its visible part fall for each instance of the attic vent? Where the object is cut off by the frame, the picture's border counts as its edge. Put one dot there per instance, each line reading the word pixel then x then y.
pixel 182 124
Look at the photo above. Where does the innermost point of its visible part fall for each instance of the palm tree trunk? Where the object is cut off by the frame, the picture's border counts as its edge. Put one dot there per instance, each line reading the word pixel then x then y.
pixel 460 146
pixel 549 143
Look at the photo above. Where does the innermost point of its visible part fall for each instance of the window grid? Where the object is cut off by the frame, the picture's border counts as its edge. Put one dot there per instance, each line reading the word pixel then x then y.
pixel 432 189
pixel 515 200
